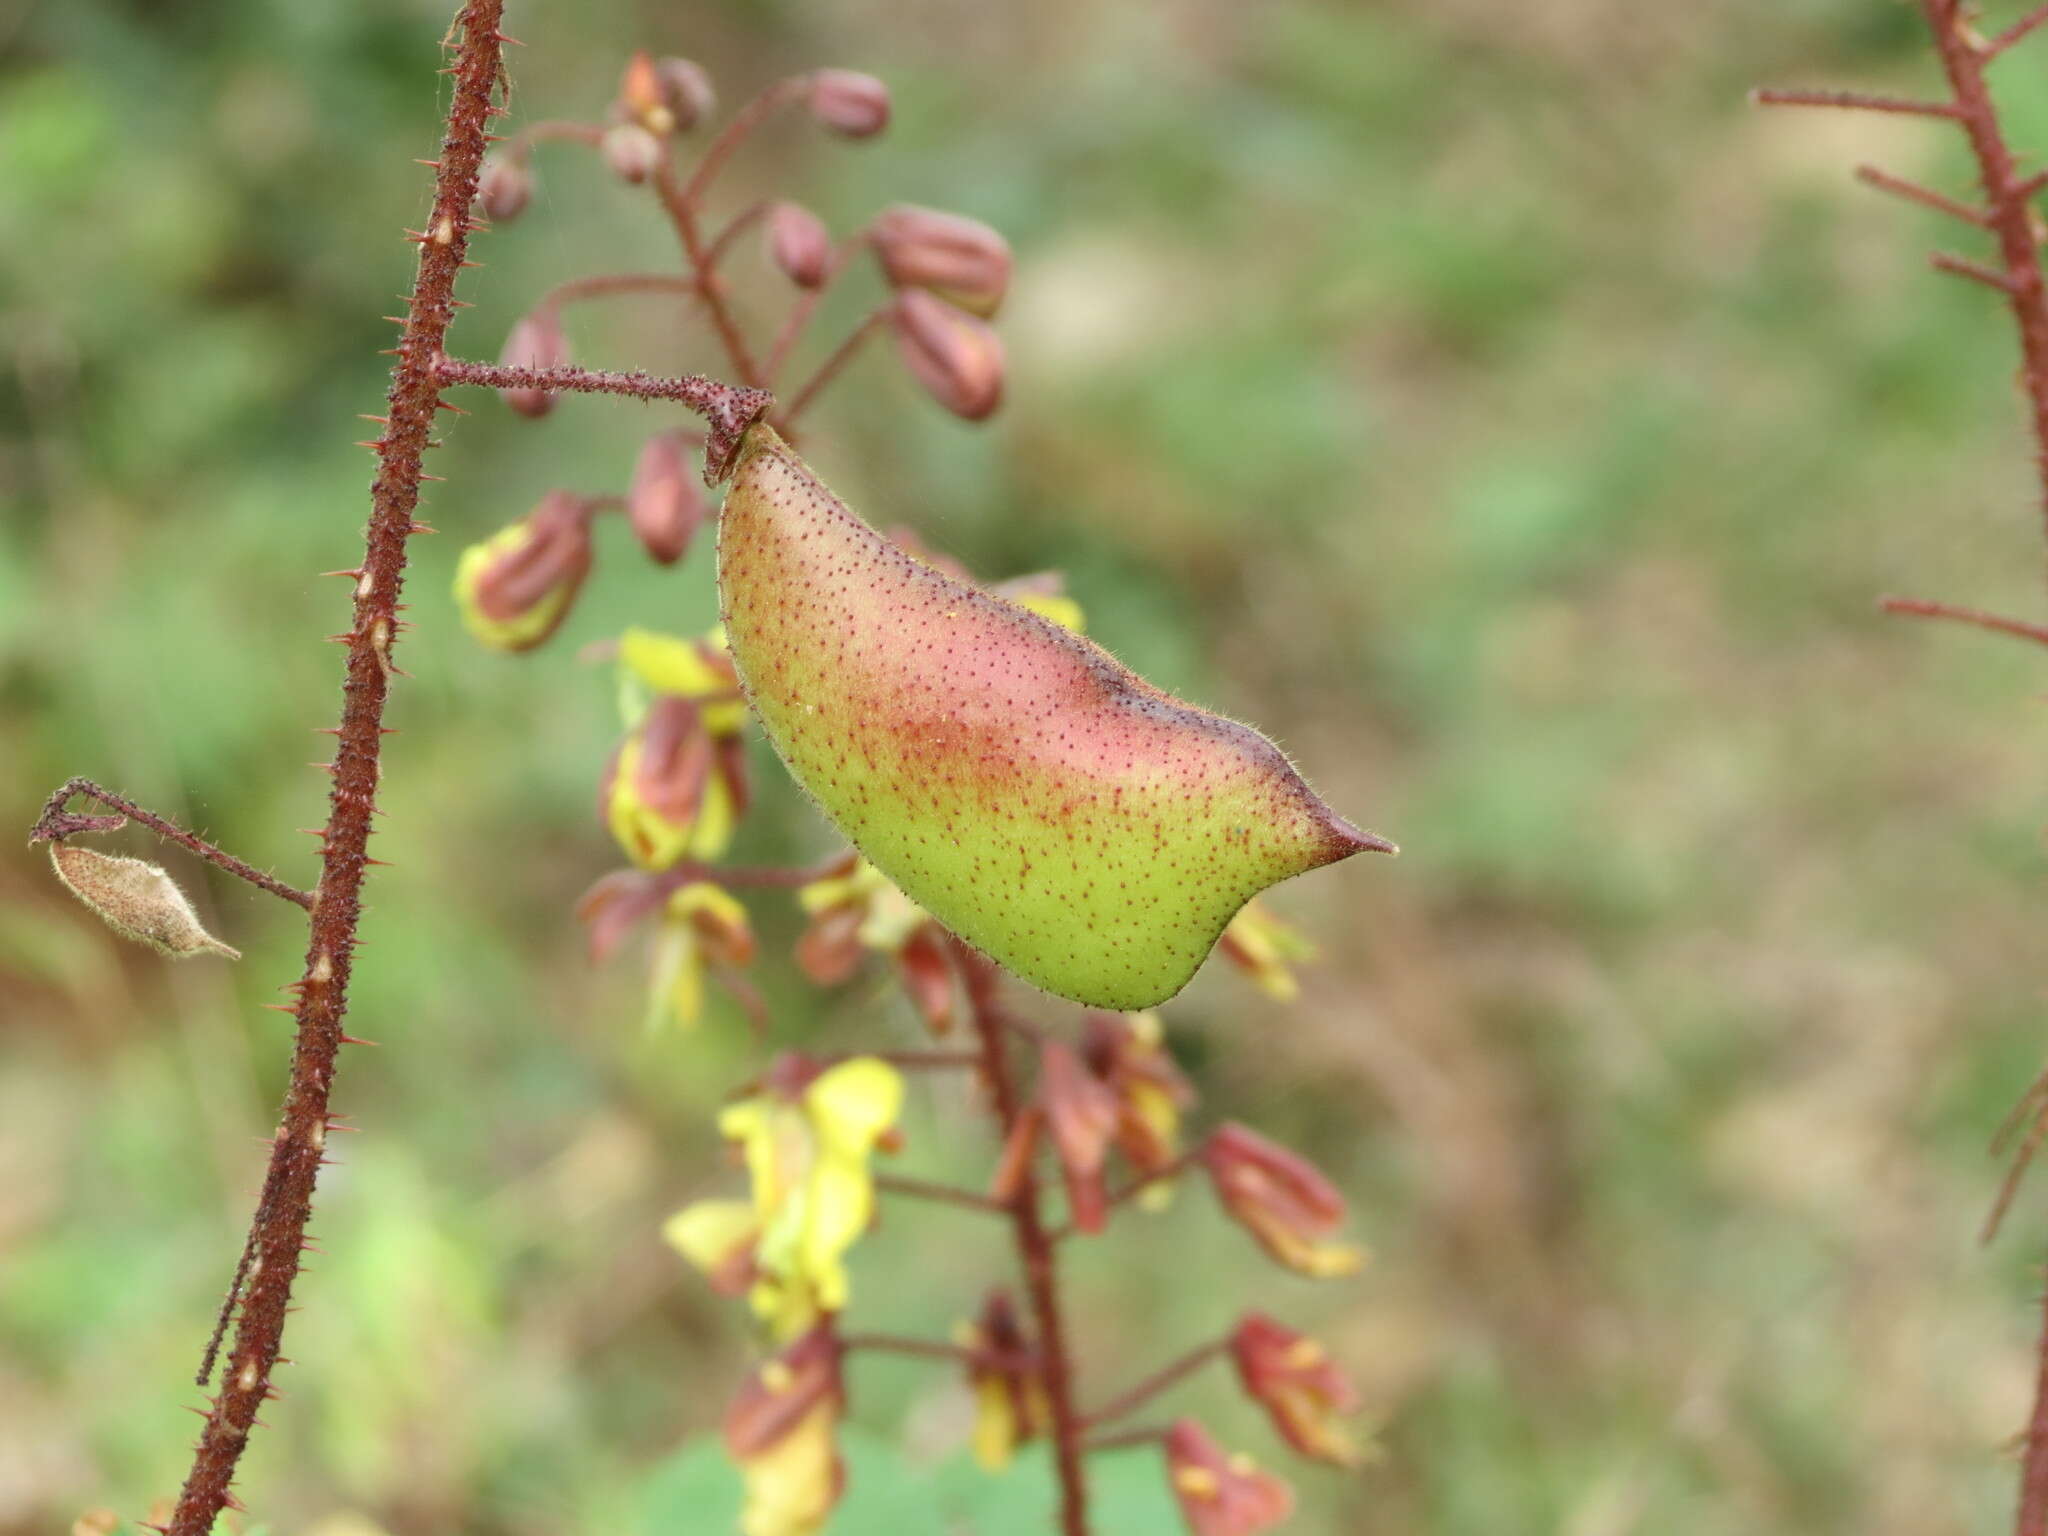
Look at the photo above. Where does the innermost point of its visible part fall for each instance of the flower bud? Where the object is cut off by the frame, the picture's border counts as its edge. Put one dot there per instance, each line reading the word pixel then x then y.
pixel 665 503
pixel 1220 1494
pixel 1282 1199
pixel 850 104
pixel 1129 1054
pixel 1081 1114
pixel 655 787
pixel 686 91
pixel 503 187
pixel 613 907
pixel 782 1430
pixel 960 259
pixel 1010 1402
pixel 799 244
pixel 535 341
pixel 516 587
pixel 632 152
pixel 137 900
pixel 955 356
pixel 1294 1379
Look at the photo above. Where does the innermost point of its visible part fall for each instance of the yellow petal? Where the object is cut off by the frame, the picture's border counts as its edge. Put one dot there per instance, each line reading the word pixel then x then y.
pixel 792 1486
pixel 995 1424
pixel 710 1231
pixel 1062 610
pixel 676 990
pixel 851 1104
pixel 670 664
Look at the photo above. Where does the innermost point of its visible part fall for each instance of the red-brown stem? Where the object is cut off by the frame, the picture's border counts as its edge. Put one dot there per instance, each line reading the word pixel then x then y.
pixel 1144 1181
pixel 554 128
pixel 1854 101
pixel 1034 1244
pixel 1921 608
pixel 735 226
pixel 1171 1375
pixel 742 123
pixel 56 823
pixel 829 369
pixel 1124 1439
pixel 298 1147
pixel 682 212
pixel 1963 59
pixel 1926 197
pixel 939 1349
pixel 2012 34
pixel 607 285
pixel 727 410
pixel 944 1194
pixel 807 305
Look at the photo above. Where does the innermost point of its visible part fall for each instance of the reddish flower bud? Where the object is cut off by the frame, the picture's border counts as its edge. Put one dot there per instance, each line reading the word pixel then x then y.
pixel 1081 1114
pixel 799 244
pixel 955 356
pixel 503 187
pixel 1219 1494
pixel 611 908
pixel 1281 1198
pixel 928 977
pixel 665 503
pixel 829 950
pixel 686 91
pixel 775 1399
pixel 535 341
pixel 1293 1378
pixel 1129 1054
pixel 961 260
pixel 632 152
pixel 851 104
pixel 515 588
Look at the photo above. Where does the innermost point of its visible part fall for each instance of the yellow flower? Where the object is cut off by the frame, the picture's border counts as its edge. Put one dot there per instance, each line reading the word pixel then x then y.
pixel 1056 606
pixel 856 908
pixel 782 1430
pixel 807 1140
pixel 1267 947
pixel 516 587
pixel 702 925
pixel 678 784
pixel 697 669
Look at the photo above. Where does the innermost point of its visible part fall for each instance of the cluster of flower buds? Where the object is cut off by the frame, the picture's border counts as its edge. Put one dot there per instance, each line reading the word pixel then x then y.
pixel 950 275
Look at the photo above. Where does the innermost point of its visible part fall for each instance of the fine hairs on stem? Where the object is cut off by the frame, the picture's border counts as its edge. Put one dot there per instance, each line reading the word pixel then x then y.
pixel 2008 213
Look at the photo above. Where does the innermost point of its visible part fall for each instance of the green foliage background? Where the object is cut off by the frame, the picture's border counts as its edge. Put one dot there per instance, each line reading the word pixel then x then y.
pixel 1478 394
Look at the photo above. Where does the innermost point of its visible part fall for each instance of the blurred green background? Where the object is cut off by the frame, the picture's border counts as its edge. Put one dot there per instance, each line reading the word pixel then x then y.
pixel 1478 394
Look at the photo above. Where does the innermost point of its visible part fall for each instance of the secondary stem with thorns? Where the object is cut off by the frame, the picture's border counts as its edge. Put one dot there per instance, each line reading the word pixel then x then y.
pixel 1034 1241
pixel 297 1150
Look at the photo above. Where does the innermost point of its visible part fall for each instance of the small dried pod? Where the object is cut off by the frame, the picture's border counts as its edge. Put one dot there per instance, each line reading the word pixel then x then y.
pixel 535 341
pixel 137 900
pixel 954 355
pixel 665 503
pixel 504 187
pixel 632 152
pixel 799 244
pixel 850 104
pixel 960 259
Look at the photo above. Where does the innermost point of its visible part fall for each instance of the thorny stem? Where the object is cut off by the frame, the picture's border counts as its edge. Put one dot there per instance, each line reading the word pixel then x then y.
pixel 728 410
pixel 1034 1242
pixel 1167 1376
pixel 56 824
pixel 297 1151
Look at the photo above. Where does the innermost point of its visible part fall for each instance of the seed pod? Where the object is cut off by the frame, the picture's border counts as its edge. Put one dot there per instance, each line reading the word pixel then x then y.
pixel 504 187
pixel 1055 810
pixel 535 341
pixel 850 104
pixel 956 357
pixel 799 244
pixel 632 152
pixel 665 504
pixel 138 901
pixel 960 259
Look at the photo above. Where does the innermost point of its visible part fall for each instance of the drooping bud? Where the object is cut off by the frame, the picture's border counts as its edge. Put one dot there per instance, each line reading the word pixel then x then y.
pixel 1221 1494
pixel 799 244
pixel 782 1430
pixel 1282 1199
pixel 1129 1054
pixel 1018 784
pixel 632 152
pixel 960 259
pixel 665 503
pixel 703 928
pixel 851 104
pixel 504 187
pixel 686 91
pixel 1081 1114
pixel 516 587
pixel 955 356
pixel 137 900
pixel 654 788
pixel 1010 1403
pixel 1294 1379
pixel 1267 948
pixel 536 340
